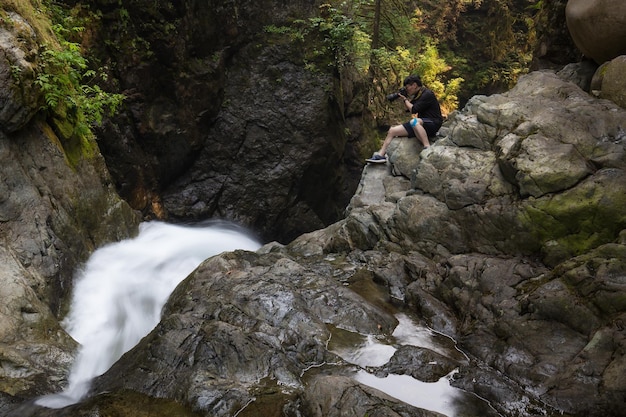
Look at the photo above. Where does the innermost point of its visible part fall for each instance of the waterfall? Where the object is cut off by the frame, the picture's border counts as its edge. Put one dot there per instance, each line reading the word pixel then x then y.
pixel 119 294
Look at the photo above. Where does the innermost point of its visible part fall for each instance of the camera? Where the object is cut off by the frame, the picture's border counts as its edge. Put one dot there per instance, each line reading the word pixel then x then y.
pixel 394 96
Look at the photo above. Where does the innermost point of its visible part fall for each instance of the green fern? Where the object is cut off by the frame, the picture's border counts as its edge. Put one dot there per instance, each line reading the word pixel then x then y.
pixel 68 85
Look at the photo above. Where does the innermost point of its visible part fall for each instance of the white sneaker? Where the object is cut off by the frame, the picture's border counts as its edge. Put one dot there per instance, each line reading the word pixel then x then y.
pixel 377 159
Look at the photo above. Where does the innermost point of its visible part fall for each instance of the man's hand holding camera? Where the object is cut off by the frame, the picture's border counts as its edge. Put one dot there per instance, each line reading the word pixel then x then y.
pixel 402 93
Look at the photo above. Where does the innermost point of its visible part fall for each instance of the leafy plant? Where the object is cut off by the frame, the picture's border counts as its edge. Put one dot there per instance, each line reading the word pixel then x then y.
pixel 15 73
pixel 69 87
pixel 337 31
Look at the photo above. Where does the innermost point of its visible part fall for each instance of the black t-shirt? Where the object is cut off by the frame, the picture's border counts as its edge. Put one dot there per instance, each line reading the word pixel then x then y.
pixel 426 105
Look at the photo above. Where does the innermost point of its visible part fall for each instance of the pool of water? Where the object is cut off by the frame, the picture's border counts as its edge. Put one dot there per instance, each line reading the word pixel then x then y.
pixel 369 351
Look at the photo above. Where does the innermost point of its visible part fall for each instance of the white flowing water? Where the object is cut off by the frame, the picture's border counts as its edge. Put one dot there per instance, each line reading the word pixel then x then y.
pixel 119 294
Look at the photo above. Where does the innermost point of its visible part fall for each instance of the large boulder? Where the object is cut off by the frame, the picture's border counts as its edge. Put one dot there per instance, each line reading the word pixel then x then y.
pixel 598 27
pixel 546 155
pixel 273 159
pixel 612 81
pixel 535 173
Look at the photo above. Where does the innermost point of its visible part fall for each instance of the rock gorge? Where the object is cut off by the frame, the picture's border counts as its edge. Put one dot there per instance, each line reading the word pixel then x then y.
pixel 508 235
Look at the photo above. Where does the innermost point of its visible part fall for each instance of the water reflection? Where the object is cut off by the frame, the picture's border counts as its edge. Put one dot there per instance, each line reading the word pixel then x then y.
pixel 370 352
pixel 365 351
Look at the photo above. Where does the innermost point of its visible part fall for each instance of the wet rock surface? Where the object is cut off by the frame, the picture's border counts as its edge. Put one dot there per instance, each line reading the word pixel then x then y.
pixel 241 329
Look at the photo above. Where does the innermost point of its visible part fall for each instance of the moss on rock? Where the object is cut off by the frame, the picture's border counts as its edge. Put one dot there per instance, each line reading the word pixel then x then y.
pixel 580 219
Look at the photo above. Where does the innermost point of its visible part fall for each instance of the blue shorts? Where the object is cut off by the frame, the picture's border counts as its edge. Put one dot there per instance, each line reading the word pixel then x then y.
pixel 430 126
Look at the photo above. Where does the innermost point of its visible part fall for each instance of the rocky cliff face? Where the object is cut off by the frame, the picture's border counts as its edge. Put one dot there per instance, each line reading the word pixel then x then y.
pixel 52 216
pixel 54 210
pixel 226 120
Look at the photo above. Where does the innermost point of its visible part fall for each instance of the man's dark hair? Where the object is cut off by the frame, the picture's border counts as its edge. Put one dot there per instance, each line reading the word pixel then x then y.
pixel 413 79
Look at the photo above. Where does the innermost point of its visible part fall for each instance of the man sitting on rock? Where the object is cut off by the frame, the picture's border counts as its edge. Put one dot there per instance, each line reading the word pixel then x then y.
pixel 426 121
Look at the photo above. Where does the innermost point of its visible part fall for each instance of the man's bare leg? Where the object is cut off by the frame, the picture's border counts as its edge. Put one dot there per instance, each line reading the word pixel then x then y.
pixel 394 131
pixel 421 134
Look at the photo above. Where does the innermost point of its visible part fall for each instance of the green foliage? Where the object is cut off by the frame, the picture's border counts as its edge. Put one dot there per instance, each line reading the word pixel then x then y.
pixel 68 85
pixel 459 47
pixel 406 48
pixel 59 73
pixel 332 39
pixel 278 30
pixel 337 31
pixel 124 16
pixel 16 71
